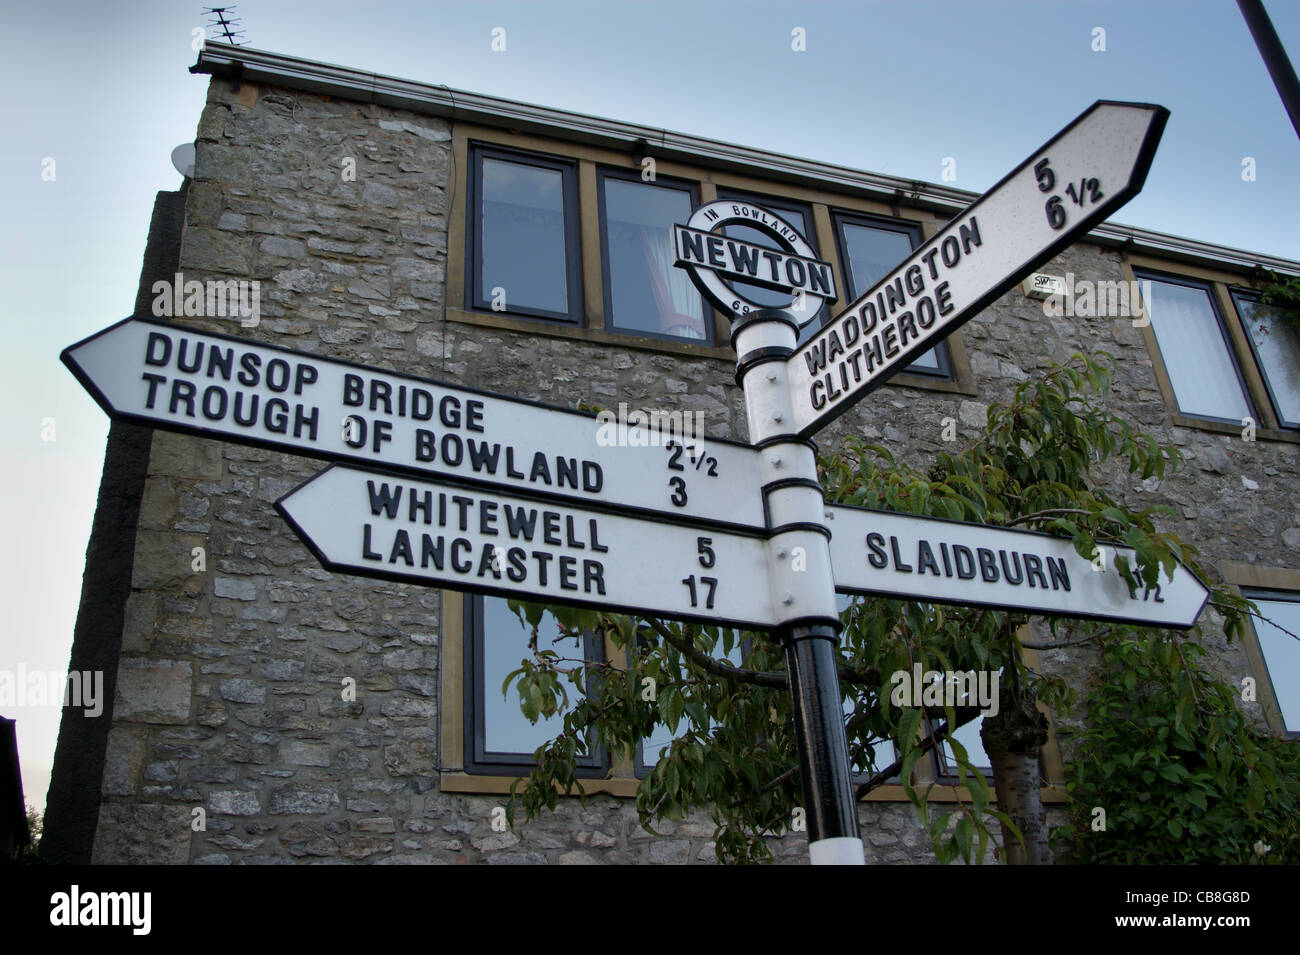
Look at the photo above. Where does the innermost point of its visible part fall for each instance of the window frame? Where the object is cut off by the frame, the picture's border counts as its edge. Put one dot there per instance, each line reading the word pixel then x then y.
pixel 1206 286
pixel 945 770
pixel 1134 267
pixel 475 299
pixel 593 329
pixel 1237 294
pixel 1264 681
pixel 1246 579
pixel 605 173
pixel 916 236
pixel 478 760
pixel 457 773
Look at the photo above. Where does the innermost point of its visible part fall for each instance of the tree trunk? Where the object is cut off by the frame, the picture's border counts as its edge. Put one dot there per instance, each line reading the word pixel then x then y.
pixel 1013 738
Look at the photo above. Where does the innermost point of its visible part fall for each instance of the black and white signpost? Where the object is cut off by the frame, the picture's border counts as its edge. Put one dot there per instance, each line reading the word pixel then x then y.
pixel 181 379
pixel 973 565
pixel 475 491
pixel 1079 177
pixel 376 525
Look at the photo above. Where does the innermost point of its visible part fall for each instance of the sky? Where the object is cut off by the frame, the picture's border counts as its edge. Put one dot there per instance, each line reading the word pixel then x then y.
pixel 96 96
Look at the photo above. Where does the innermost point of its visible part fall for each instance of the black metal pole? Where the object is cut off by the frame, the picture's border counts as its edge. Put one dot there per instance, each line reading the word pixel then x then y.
pixel 808 627
pixel 810 659
pixel 1274 56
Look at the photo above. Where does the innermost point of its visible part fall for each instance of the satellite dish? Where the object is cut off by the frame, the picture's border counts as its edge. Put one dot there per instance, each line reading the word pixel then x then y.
pixel 183 159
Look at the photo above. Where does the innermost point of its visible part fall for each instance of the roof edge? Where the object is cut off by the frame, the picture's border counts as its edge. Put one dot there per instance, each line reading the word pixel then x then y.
pixel 262 66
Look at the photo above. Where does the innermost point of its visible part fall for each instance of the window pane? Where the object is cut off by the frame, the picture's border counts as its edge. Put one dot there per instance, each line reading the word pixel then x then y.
pixel 505 644
pixel 1201 370
pixel 884 751
pixel 871 254
pixel 522 236
pixel 646 292
pixel 654 745
pixel 1281 653
pixel 1276 338
pixel 969 737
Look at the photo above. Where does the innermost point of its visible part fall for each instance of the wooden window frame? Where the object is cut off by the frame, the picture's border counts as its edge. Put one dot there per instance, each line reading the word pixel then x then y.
pixel 475 296
pixel 478 760
pixel 1221 284
pixel 916 235
pixel 592 328
pixel 603 175
pixel 1220 320
pixel 1246 579
pixel 622 776
pixel 1236 295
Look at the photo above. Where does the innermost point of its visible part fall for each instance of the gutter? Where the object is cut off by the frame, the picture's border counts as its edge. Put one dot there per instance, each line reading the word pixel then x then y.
pixel 245 64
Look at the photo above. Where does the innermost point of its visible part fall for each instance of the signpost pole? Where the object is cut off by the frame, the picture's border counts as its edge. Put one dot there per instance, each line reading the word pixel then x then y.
pixel 803 588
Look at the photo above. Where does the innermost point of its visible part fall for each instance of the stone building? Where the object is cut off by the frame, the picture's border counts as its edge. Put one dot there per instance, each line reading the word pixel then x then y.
pixel 522 250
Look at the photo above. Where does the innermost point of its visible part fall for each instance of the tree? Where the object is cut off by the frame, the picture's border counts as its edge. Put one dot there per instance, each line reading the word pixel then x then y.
pixel 28 852
pixel 1034 466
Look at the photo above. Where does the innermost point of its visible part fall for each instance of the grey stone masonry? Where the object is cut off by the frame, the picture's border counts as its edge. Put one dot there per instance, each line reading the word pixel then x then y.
pixel 234 739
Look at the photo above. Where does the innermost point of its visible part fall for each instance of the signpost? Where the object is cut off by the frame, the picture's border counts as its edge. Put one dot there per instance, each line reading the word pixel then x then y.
pixel 480 492
pixel 709 259
pixel 180 379
pixel 490 541
pixel 939 561
pixel 1077 179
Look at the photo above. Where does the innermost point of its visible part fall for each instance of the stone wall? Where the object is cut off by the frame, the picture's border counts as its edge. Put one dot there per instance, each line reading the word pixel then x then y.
pixel 228 693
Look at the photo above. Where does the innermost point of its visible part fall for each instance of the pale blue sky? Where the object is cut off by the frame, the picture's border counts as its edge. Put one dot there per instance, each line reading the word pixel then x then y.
pixel 104 90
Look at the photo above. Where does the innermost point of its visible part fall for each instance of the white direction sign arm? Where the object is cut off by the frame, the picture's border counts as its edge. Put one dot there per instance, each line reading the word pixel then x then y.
pixel 933 560
pixel 202 383
pixel 488 541
pixel 1077 179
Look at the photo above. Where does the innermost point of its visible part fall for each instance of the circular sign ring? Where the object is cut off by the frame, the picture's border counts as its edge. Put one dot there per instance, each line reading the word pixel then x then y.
pixel 725 212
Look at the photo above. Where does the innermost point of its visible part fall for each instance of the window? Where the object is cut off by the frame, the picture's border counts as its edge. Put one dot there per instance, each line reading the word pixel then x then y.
pixel 798 215
pixel 1280 652
pixel 644 292
pixel 869 248
pixel 968 735
pixel 499 738
pixel 1195 348
pixel 651 748
pixel 524 236
pixel 1274 337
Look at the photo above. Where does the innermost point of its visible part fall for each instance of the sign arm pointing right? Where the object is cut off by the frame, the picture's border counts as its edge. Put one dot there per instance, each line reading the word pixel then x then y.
pixel 1076 180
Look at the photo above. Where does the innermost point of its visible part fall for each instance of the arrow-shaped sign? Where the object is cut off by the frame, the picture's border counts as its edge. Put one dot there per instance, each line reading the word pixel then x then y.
pixel 1082 175
pixel 379 525
pixel 177 378
pixel 886 554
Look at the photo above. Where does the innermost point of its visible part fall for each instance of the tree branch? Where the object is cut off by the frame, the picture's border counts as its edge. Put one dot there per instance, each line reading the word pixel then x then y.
pixel 1076 641
pixel 1050 512
pixel 717 667
pixel 930 742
